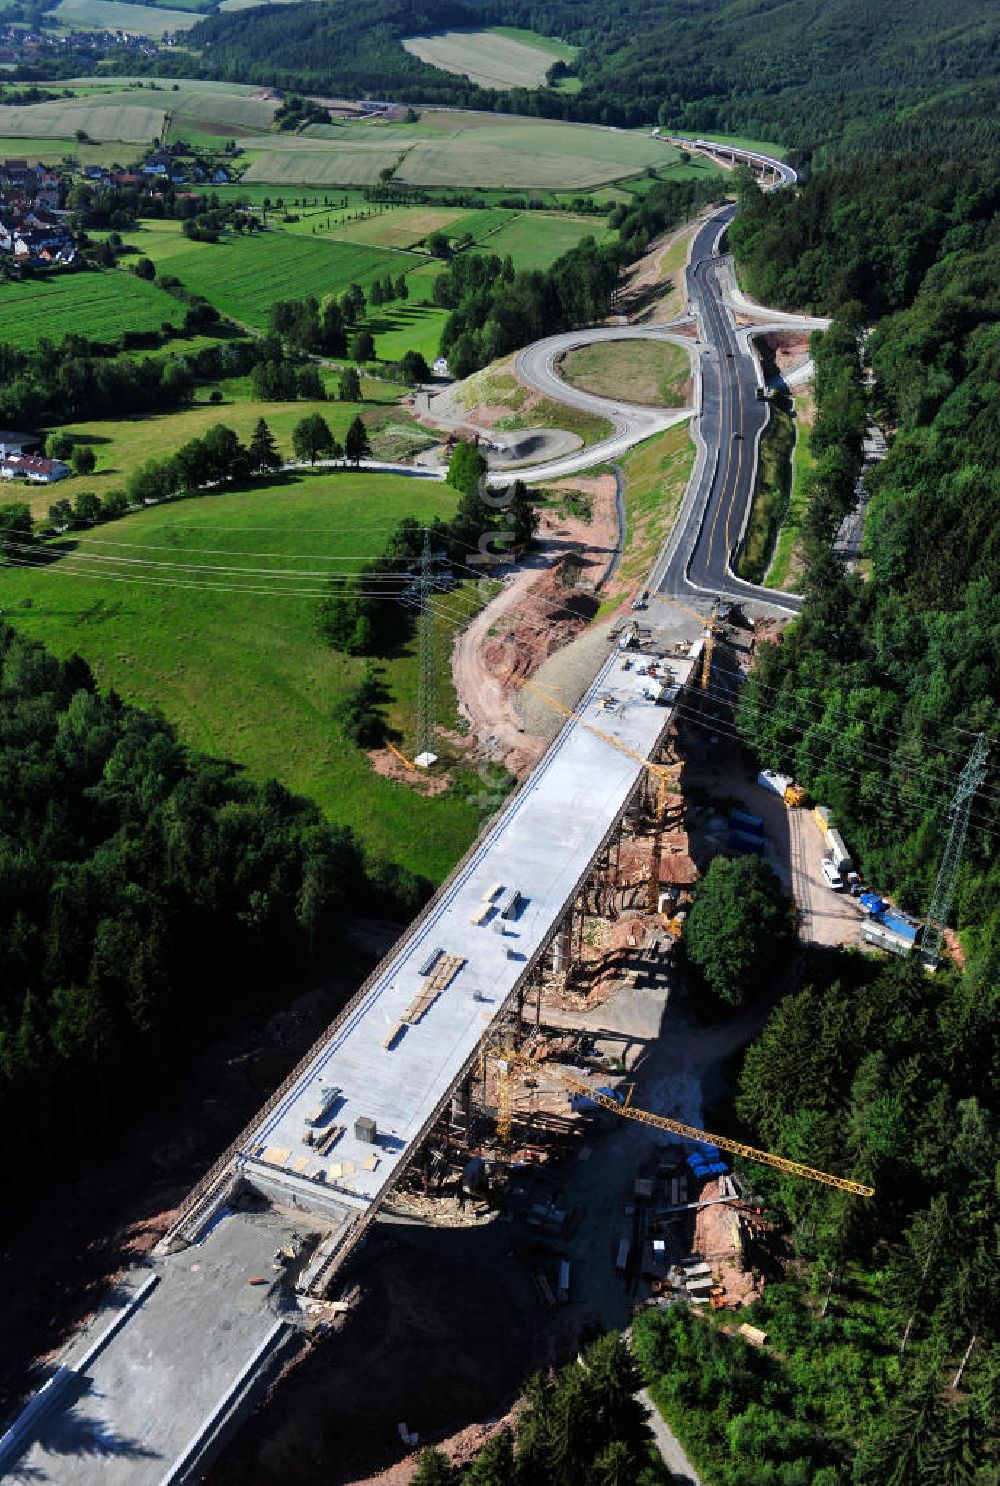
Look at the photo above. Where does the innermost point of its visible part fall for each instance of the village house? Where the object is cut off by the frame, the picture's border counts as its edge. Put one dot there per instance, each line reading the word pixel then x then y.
pixel 13 443
pixel 34 468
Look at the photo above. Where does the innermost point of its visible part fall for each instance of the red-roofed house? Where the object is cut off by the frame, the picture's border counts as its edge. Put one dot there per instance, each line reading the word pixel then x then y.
pixel 33 467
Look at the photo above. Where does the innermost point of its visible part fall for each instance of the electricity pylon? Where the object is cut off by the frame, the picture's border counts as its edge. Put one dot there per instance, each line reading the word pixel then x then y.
pixel 959 810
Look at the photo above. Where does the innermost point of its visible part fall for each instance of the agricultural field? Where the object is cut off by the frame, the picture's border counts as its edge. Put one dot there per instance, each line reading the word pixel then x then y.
pixel 316 162
pixel 125 118
pixel 393 227
pixel 493 59
pixel 537 239
pixel 490 150
pixel 116 15
pixel 530 153
pixel 100 305
pixel 217 113
pixel 250 4
pixel 656 373
pixel 244 276
pixel 244 675
pixel 532 239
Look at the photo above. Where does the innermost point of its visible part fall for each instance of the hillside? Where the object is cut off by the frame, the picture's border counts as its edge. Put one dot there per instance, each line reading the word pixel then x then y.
pixel 803 73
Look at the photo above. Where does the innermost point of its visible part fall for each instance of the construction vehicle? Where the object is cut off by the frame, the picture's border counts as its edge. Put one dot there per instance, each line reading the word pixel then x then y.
pixel 510 1059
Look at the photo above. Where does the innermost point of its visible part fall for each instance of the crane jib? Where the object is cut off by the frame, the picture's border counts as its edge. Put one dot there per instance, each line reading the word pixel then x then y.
pixel 724 1143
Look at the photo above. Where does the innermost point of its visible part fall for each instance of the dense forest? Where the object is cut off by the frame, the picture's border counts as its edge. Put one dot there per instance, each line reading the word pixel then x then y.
pixel 808 74
pixel 141 885
pixel 880 1367
pixel 872 698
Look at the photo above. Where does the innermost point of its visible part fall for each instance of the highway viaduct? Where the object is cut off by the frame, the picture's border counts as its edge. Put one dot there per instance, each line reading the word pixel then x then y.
pixel 146 1393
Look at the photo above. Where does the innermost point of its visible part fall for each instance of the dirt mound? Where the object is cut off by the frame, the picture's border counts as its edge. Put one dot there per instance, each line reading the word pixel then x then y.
pixel 549 614
pixel 783 351
pixel 537 613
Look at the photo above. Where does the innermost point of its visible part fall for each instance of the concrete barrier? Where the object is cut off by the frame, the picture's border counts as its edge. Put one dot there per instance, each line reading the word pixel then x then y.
pixel 52 1393
pixel 211 1432
pixel 24 1428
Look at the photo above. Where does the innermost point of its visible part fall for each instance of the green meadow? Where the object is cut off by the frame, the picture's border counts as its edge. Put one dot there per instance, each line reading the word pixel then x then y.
pixel 101 305
pixel 205 609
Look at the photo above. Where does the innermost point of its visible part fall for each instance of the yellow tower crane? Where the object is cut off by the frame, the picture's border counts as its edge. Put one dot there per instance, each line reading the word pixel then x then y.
pixel 510 1059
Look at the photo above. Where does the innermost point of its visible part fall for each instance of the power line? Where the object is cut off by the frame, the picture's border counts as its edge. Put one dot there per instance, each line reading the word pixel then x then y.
pixel 878 752
pixel 690 712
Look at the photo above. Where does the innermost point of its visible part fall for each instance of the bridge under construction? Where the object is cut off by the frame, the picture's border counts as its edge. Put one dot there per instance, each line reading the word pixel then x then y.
pixel 148 1396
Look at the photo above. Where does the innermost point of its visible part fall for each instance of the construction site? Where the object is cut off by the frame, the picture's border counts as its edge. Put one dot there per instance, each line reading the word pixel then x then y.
pixel 521 1076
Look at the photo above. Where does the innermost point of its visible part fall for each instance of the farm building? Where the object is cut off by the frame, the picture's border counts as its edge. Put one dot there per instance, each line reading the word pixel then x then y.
pixel 33 467
pixel 13 444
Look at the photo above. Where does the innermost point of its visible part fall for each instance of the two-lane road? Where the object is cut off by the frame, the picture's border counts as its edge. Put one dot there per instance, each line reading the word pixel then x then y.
pixel 730 417
pixel 733 417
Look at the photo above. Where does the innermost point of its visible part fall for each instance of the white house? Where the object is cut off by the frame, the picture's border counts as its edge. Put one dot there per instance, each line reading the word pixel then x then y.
pixel 34 468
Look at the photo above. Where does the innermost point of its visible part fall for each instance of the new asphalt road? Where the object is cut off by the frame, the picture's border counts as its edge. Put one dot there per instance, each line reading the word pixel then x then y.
pixel 733 417
pixel 729 419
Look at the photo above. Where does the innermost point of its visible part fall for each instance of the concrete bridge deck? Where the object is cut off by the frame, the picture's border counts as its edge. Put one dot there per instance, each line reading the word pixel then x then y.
pixel 150 1402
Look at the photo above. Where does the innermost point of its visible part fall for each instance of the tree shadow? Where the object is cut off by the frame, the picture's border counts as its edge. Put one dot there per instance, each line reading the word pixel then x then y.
pixel 70 1433
pixel 65 1432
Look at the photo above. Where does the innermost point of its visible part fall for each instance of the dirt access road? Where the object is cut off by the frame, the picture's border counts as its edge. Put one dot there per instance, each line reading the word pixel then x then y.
pixel 533 616
pixel 794 844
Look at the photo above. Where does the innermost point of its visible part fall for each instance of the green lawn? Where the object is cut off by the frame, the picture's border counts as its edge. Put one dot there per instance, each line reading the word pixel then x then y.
pixel 122 445
pixel 406 326
pixel 655 372
pixel 244 675
pixel 101 305
pixel 243 276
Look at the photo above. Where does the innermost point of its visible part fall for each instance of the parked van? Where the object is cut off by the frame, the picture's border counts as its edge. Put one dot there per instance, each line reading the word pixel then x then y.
pixel 831 875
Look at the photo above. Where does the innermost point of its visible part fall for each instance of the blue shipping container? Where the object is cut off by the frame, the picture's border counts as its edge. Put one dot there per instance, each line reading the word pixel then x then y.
pixel 897 923
pixel 745 845
pixel 739 820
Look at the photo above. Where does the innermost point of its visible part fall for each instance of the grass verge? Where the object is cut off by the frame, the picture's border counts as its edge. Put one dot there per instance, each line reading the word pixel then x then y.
pixel 771 491
pixel 497 387
pixel 786 564
pixel 656 477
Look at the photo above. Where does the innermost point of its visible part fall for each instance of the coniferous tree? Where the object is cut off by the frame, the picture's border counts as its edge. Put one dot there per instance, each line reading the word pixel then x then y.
pixel 356 444
pixel 349 387
pixel 432 1469
pixel 263 450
